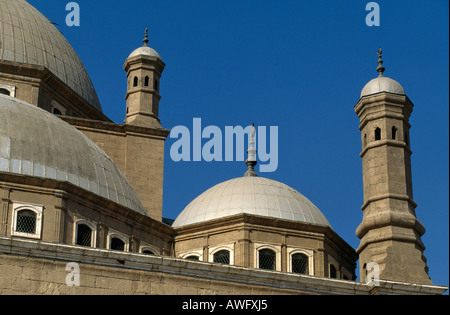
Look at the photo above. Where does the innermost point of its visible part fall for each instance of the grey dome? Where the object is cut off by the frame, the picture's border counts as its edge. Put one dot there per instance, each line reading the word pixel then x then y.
pixel 36 143
pixel 26 36
pixel 382 84
pixel 251 195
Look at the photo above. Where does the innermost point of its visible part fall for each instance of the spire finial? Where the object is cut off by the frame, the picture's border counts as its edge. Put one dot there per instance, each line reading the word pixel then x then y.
pixel 251 161
pixel 380 67
pixel 146 38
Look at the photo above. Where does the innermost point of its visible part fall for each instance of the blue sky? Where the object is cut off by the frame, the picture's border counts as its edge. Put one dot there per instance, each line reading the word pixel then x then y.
pixel 298 65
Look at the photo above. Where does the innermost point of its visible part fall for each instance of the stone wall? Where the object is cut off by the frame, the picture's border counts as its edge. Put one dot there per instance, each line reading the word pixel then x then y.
pixel 32 267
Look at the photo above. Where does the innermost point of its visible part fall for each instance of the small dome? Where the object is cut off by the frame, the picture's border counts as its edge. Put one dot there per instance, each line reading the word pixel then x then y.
pixel 145 51
pixel 382 84
pixel 35 143
pixel 28 37
pixel 251 195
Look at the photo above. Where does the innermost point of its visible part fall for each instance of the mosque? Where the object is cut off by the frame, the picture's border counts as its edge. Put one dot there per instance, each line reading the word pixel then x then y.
pixel 77 189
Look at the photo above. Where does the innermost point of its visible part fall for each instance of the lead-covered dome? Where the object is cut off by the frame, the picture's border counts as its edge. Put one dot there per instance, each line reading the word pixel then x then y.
pixel 251 195
pixel 35 143
pixel 145 50
pixel 26 36
pixel 382 84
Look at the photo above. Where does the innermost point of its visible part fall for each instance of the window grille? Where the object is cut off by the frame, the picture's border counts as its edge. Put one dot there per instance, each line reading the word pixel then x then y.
pixel 117 244
pixel 222 257
pixel 300 264
pixel 267 259
pixel 26 222
pixel 84 235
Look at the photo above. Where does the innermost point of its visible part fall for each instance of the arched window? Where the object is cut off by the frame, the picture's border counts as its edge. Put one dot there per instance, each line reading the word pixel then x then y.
pixel 84 235
pixel 222 257
pixel 146 81
pixel 333 273
pixel 394 133
pixel 406 139
pixel 377 134
pixel 156 85
pixel 267 259
pixel 148 252
pixel 56 111
pixel 135 81
pixel 26 222
pixel 117 244
pixel 300 264
pixel 365 140
pixel 193 258
pixel 5 92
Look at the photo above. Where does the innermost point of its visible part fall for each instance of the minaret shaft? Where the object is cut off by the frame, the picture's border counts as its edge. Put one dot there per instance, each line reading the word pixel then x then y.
pixel 390 233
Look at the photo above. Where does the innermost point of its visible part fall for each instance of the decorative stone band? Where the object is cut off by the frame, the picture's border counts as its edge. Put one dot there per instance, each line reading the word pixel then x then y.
pixel 386 196
pixel 380 143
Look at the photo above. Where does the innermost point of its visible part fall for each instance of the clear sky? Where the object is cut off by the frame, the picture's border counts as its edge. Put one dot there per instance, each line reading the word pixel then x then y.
pixel 298 65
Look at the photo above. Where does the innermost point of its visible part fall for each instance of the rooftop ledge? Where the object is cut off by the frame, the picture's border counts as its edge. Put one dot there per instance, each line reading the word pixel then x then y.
pixel 292 283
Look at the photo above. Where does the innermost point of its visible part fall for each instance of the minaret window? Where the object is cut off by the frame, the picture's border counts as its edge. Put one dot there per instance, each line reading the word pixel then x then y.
pixel 377 134
pixel 135 81
pixel 156 85
pixel 146 81
pixel 5 92
pixel 406 139
pixel 394 133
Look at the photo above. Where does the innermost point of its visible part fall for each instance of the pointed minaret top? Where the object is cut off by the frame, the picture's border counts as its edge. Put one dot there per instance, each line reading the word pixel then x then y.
pixel 146 38
pixel 251 162
pixel 380 67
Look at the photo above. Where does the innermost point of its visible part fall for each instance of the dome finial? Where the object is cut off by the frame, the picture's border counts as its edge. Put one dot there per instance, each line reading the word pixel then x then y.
pixel 146 38
pixel 380 67
pixel 251 161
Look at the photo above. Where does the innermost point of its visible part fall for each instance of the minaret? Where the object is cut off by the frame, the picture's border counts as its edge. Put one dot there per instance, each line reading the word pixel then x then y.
pixel 144 68
pixel 390 233
pixel 251 161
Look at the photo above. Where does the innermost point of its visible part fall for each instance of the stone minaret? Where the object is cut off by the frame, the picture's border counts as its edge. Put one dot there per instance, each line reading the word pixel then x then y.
pixel 144 68
pixel 390 233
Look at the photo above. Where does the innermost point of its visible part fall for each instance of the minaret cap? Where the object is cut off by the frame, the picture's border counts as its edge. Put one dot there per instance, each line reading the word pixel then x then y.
pixel 380 67
pixel 145 40
pixel 251 161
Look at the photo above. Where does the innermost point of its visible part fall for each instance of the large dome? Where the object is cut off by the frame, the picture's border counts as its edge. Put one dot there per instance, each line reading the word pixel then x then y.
pixel 251 195
pixel 36 143
pixel 26 36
